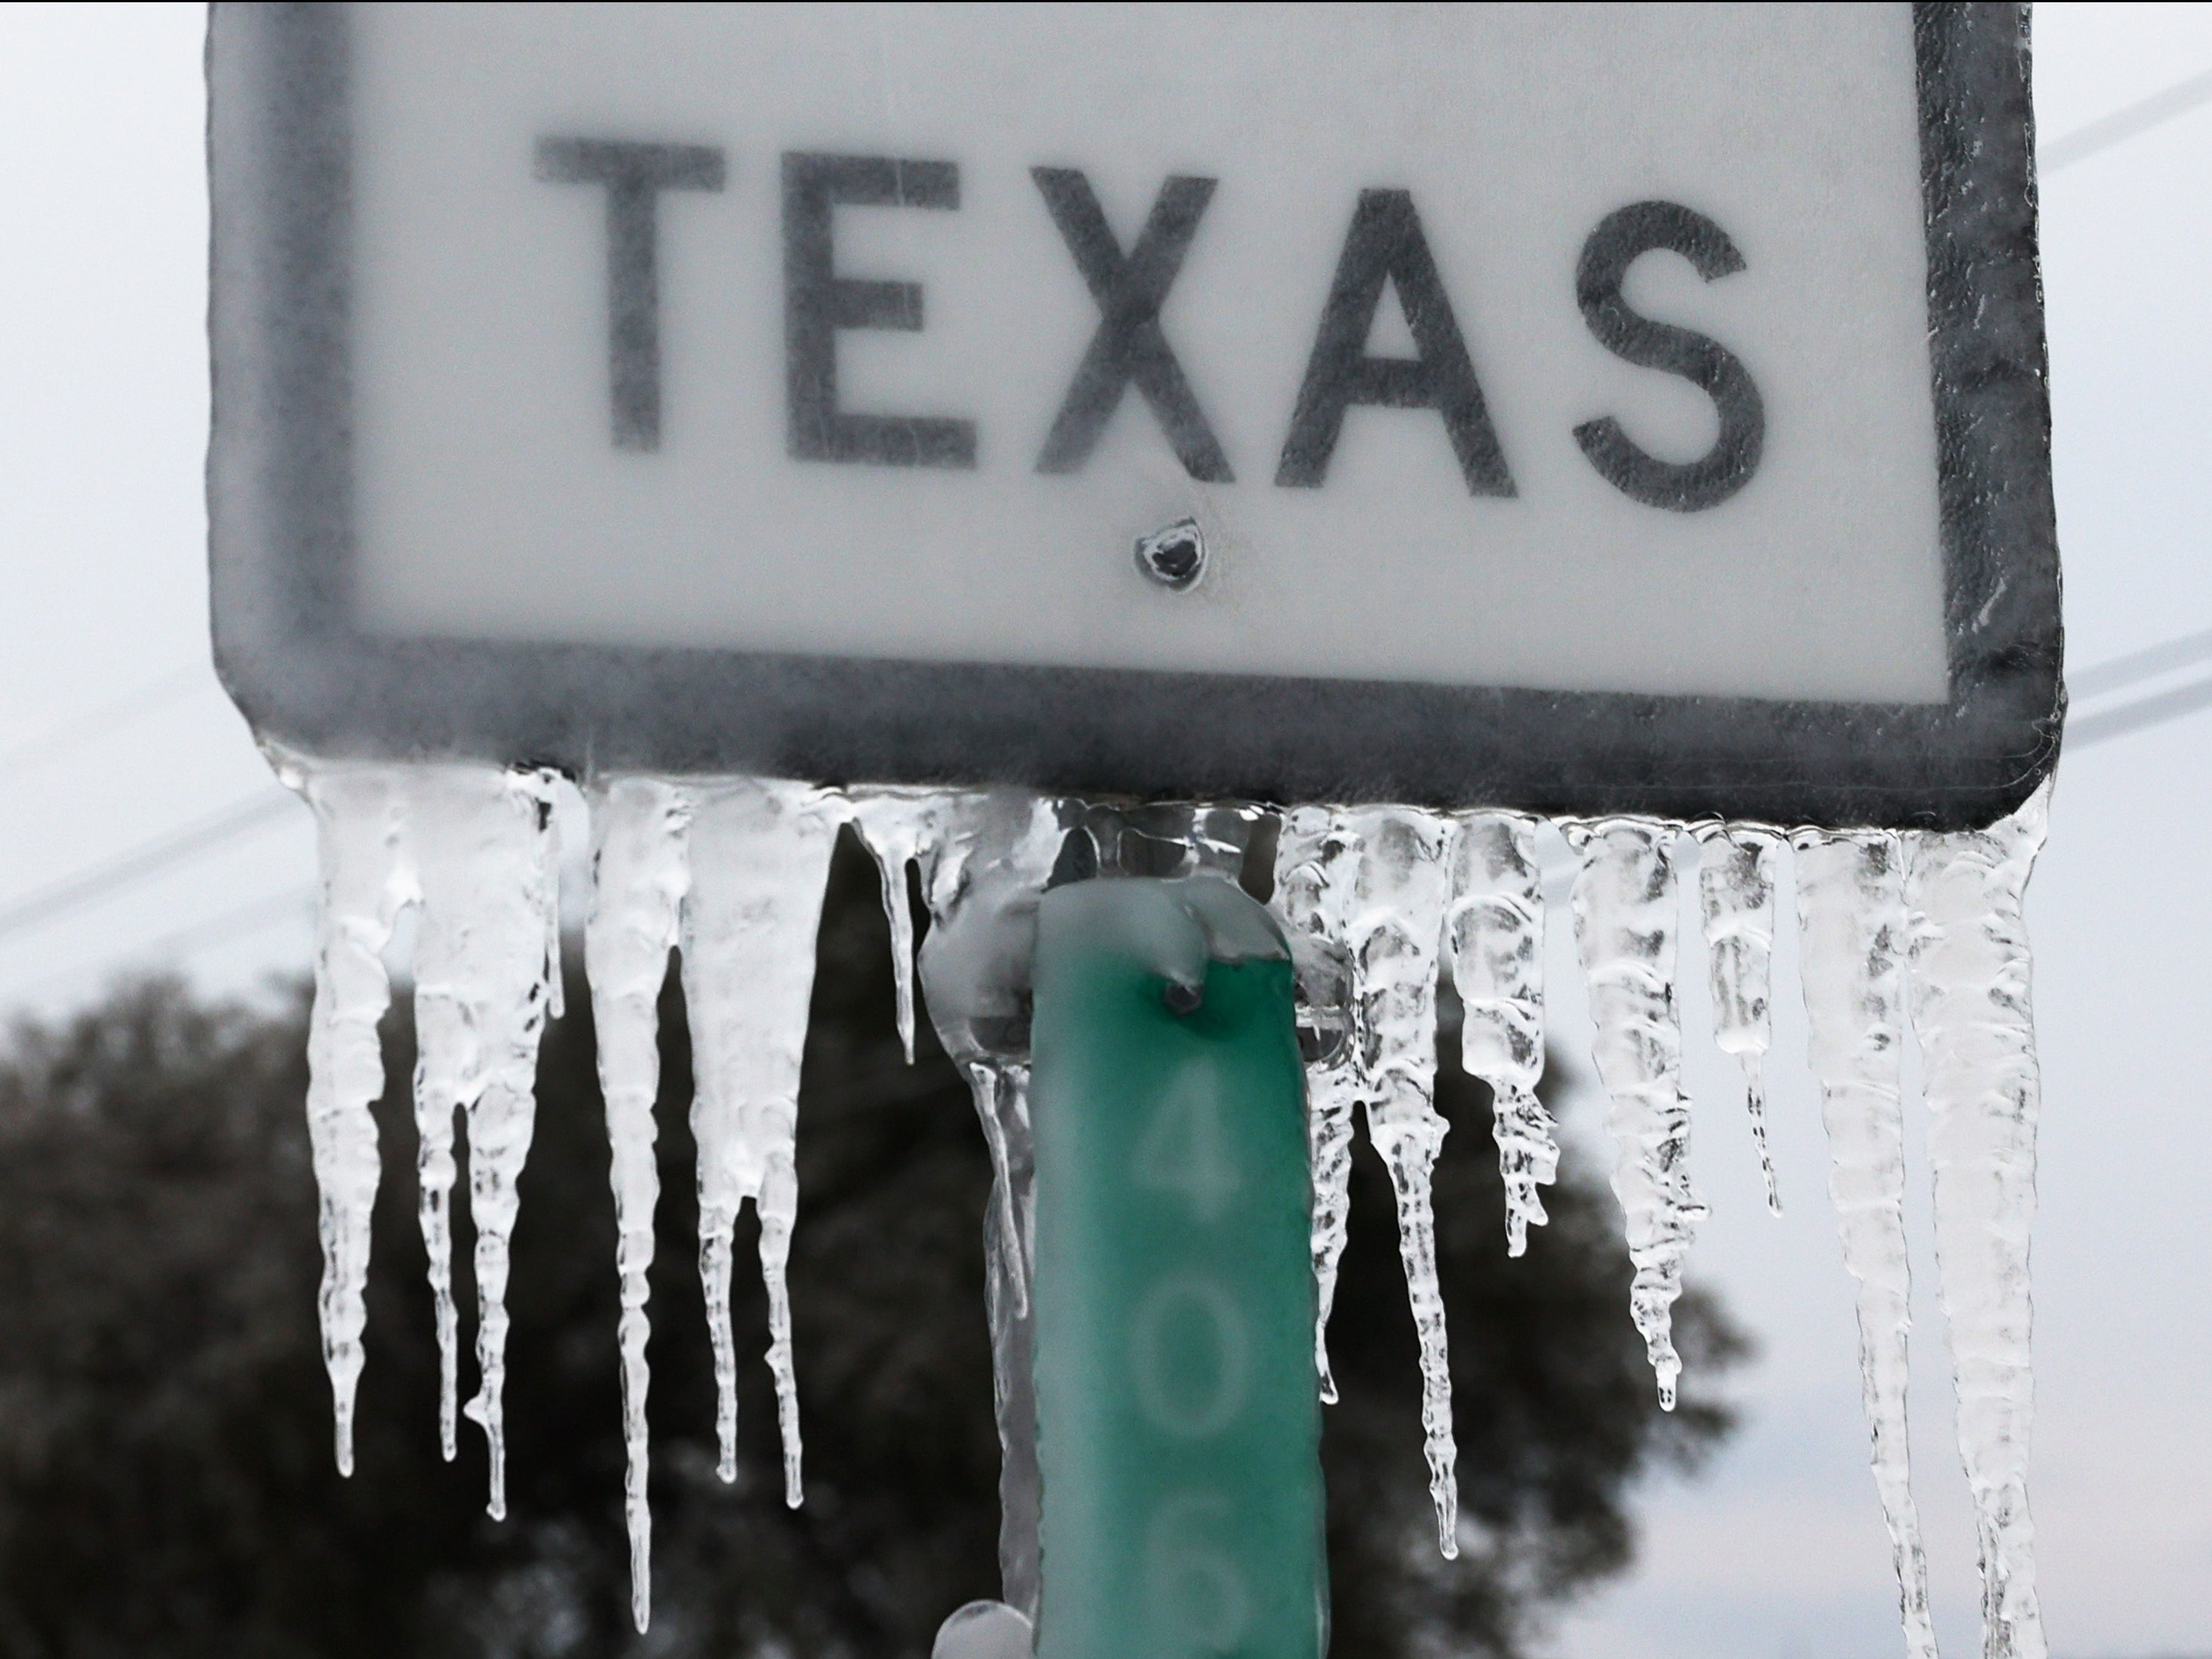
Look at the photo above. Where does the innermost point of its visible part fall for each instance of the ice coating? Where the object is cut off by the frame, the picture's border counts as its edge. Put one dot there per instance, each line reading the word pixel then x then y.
pixel 759 855
pixel 641 871
pixel 1385 889
pixel 1316 862
pixel 1625 917
pixel 984 861
pixel 1969 981
pixel 1735 895
pixel 1852 922
pixel 487 867
pixel 1494 938
pixel 734 870
pixel 362 890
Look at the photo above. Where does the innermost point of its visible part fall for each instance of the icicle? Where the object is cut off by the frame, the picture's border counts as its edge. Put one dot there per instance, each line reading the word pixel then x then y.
pixel 1736 889
pixel 760 855
pixel 1851 908
pixel 1403 884
pixel 1001 1096
pixel 1494 931
pixel 896 826
pixel 1315 863
pixel 984 861
pixel 439 1091
pixel 1372 883
pixel 1332 1092
pixel 363 890
pixel 1624 906
pixel 641 870
pixel 1972 1013
pixel 489 872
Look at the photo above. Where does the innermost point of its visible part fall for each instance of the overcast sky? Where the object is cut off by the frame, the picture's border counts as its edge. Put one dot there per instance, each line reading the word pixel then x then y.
pixel 113 737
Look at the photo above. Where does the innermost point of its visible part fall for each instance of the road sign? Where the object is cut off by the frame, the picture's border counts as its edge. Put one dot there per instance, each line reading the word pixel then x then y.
pixel 1578 408
pixel 1178 1416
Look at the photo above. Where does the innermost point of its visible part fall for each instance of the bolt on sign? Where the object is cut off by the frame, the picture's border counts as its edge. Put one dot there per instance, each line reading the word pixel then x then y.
pixel 1570 409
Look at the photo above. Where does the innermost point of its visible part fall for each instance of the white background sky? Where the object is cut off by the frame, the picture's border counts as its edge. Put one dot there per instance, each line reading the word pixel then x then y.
pixel 113 735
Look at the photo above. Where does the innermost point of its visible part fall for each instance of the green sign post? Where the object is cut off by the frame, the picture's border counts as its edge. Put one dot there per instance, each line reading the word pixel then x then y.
pixel 1178 1418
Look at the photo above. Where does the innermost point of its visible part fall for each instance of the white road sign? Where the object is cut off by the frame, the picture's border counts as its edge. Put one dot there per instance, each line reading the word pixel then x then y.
pixel 1582 407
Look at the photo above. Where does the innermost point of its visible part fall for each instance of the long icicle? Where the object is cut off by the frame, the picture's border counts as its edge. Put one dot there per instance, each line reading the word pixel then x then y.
pixel 1494 933
pixel 443 1056
pixel 1735 892
pixel 1850 909
pixel 1397 928
pixel 641 870
pixel 362 890
pixel 1972 1012
pixel 1626 919
pixel 984 859
pixel 489 871
pixel 1315 863
pixel 760 856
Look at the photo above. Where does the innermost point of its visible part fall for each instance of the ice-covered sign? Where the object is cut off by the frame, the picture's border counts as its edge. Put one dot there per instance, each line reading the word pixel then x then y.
pixel 1567 409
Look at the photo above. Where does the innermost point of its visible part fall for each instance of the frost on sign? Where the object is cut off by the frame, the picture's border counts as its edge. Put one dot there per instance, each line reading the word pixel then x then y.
pixel 1516 450
pixel 1574 409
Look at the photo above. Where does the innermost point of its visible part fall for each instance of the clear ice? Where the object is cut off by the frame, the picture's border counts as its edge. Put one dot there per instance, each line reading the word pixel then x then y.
pixel 1626 919
pixel 759 852
pixel 473 847
pixel 488 870
pixel 733 871
pixel 1972 1013
pixel 898 827
pixel 1375 901
pixel 1735 895
pixel 1494 933
pixel 984 858
pixel 1850 911
pixel 1315 863
pixel 358 819
pixel 1385 892
pixel 640 872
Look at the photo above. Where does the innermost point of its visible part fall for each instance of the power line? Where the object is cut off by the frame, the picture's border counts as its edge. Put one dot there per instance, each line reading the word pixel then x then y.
pixel 2153 710
pixel 2152 661
pixel 234 923
pixel 2121 126
pixel 238 922
pixel 72 734
pixel 176 847
pixel 2131 668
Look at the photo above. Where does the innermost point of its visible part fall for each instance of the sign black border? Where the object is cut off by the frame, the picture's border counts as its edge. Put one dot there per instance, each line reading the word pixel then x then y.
pixel 281 541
